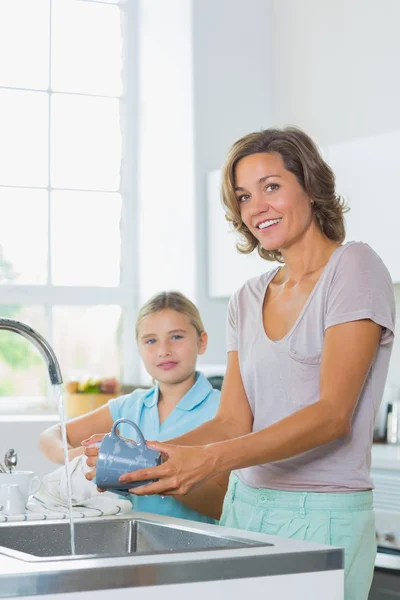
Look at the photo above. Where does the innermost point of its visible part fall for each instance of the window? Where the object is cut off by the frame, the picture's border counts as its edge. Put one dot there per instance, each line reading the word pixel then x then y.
pixel 61 150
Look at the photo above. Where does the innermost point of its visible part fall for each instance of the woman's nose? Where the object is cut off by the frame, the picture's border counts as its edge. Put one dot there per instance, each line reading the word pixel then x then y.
pixel 257 204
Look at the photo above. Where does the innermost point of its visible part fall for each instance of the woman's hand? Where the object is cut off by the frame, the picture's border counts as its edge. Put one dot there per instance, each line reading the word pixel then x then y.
pixel 183 469
pixel 91 450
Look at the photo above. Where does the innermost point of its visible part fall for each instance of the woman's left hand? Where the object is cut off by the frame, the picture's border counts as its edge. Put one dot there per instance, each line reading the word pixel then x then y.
pixel 184 468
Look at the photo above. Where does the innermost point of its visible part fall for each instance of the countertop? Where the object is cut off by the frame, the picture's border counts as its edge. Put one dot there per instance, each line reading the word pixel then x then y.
pixel 386 456
pixel 284 556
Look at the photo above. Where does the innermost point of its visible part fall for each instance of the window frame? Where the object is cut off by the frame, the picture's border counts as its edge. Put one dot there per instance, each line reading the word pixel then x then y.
pixel 126 295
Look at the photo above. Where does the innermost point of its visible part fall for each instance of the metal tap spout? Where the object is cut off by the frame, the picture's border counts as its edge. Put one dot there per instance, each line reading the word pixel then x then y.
pixel 41 344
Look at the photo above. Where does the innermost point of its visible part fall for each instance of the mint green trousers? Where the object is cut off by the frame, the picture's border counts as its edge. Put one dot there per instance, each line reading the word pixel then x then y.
pixel 345 520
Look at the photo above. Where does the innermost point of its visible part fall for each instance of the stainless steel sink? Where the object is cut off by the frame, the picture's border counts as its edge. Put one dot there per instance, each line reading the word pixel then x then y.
pixel 51 541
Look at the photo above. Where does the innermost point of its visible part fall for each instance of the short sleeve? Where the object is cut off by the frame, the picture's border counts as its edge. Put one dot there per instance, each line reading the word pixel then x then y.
pixel 122 406
pixel 231 325
pixel 361 288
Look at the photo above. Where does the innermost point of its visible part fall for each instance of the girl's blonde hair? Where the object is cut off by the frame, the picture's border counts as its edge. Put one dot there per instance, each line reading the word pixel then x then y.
pixel 175 301
pixel 302 158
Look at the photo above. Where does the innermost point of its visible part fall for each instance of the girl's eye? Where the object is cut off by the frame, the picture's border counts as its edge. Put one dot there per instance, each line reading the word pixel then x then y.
pixel 177 337
pixel 150 341
pixel 272 186
pixel 243 198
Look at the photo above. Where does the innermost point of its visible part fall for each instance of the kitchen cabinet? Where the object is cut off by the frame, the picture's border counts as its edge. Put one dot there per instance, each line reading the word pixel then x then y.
pixel 386 477
pixel 305 587
pixel 385 586
pixel 367 172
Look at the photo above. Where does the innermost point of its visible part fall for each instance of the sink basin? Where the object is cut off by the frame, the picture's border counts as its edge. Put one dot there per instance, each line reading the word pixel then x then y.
pixel 101 538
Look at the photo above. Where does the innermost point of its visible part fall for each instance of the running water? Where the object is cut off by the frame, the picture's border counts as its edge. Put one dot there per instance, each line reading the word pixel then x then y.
pixel 59 399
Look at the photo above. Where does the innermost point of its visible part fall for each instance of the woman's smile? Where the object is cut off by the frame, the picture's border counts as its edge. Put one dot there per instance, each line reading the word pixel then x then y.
pixel 268 224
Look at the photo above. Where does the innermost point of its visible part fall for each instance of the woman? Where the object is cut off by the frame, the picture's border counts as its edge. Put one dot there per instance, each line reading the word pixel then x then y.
pixel 170 336
pixel 309 345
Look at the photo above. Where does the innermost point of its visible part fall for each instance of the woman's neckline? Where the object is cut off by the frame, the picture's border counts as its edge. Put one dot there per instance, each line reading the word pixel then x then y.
pixel 307 302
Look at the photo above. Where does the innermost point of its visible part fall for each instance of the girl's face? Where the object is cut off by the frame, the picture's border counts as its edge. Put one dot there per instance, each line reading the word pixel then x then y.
pixel 169 345
pixel 273 205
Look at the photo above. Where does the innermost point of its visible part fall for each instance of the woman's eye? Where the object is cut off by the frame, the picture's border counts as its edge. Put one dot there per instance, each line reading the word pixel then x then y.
pixel 150 341
pixel 243 198
pixel 177 337
pixel 272 186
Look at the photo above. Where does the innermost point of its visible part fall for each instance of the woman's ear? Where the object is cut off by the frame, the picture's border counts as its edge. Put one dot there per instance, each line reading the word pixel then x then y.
pixel 203 341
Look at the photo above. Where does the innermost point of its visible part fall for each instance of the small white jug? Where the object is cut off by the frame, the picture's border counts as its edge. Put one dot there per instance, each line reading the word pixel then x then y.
pixel 11 500
pixel 27 482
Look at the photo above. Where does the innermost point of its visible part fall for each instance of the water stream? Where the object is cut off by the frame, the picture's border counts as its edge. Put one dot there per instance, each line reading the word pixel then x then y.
pixel 59 399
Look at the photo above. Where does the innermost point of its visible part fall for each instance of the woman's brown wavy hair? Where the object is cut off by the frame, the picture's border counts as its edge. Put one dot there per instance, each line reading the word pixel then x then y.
pixel 302 158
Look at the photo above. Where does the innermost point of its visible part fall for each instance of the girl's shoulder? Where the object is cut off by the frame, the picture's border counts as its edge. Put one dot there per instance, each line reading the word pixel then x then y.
pixel 201 397
pixel 214 396
pixel 207 406
pixel 126 404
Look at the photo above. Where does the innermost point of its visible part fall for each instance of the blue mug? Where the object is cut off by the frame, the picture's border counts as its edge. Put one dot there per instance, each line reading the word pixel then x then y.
pixel 118 456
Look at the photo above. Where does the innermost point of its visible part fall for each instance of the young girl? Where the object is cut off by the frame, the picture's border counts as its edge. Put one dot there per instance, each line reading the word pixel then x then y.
pixel 170 335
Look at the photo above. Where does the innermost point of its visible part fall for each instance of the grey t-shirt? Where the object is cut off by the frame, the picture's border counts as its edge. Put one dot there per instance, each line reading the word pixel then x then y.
pixel 282 377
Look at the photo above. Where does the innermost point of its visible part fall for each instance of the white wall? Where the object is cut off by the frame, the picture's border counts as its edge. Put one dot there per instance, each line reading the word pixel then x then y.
pixel 328 67
pixel 204 80
pixel 22 433
pixel 336 75
pixel 336 67
pixel 166 203
pixel 232 96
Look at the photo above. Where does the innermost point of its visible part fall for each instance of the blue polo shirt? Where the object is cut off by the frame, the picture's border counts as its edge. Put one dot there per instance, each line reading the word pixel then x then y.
pixel 199 404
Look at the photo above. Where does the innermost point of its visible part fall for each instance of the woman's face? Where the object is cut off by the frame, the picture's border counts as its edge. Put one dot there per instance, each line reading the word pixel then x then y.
pixel 169 345
pixel 273 205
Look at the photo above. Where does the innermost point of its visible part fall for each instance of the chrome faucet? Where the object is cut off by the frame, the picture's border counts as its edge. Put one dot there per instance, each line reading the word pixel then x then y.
pixel 41 344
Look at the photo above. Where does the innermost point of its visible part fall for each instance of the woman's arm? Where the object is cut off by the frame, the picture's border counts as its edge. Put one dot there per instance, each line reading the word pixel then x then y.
pixel 207 499
pixel 348 353
pixel 349 350
pixel 234 418
pixel 50 441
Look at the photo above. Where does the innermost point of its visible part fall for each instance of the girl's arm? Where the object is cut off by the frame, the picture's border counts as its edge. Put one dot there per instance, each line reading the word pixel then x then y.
pixel 209 498
pixel 50 441
pixel 348 352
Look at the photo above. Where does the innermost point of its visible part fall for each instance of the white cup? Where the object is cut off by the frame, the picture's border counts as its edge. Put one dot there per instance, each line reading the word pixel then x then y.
pixel 11 500
pixel 27 482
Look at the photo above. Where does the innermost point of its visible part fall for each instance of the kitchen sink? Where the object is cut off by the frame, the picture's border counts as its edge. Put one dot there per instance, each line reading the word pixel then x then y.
pixel 106 538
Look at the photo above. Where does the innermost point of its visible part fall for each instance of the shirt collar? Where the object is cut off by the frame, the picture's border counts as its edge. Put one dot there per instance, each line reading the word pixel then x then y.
pixel 197 393
pixel 151 397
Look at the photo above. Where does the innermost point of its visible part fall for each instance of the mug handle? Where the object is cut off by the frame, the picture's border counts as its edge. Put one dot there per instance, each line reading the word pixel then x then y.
pixel 35 483
pixel 142 441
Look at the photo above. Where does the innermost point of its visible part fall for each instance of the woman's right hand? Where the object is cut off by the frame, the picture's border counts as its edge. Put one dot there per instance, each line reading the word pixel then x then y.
pixel 91 451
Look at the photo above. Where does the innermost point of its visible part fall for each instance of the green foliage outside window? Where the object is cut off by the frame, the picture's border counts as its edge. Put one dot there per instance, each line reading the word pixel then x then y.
pixel 15 351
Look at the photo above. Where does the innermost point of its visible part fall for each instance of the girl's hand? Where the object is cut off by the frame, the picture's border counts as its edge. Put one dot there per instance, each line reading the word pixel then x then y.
pixel 184 468
pixel 91 450
pixel 74 452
